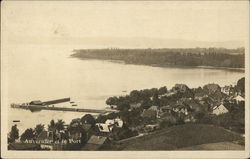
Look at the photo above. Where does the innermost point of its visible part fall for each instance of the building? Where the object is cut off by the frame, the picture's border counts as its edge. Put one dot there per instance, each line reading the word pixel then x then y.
pixel 151 112
pixel 180 109
pixel 200 95
pixel 151 127
pixel 116 122
pixel 239 99
pixel 104 128
pixel 96 143
pixel 228 90
pixel 166 108
pixel 180 88
pixel 221 109
pixel 189 118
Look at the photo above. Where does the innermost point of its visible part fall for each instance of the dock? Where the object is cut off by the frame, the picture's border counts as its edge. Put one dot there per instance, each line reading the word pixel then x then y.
pixel 35 108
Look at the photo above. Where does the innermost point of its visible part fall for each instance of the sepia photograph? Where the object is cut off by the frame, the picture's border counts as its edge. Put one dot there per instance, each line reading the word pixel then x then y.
pixel 146 79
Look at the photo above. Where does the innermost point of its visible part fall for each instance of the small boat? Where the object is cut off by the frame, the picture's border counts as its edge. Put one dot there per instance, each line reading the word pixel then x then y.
pixel 15 121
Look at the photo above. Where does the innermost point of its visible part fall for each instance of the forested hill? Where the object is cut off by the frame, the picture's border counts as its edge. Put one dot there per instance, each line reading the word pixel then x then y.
pixel 216 57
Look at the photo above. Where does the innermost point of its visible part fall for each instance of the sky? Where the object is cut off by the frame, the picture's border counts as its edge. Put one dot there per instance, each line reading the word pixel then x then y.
pixel 99 22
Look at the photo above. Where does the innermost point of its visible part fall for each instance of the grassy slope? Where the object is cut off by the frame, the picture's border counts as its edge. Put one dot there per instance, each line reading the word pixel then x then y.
pixel 216 146
pixel 181 136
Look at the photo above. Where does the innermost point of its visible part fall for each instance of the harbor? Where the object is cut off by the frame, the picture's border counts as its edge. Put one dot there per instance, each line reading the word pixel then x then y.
pixel 35 106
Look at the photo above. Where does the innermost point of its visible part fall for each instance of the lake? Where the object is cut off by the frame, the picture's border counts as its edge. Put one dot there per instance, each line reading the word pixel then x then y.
pixel 47 73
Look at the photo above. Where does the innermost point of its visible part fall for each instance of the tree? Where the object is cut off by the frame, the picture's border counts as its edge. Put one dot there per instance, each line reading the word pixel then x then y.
pixel 51 126
pixel 112 101
pixel 38 129
pixel 147 103
pixel 163 90
pixel 146 93
pixel 28 134
pixel 14 133
pixel 241 84
pixel 135 96
pixel 59 125
pixel 153 91
pixel 122 133
pixel 75 127
pixel 123 106
pixel 199 116
pixel 156 100
pixel 88 119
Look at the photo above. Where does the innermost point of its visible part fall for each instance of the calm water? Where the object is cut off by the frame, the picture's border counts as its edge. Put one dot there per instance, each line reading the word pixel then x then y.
pixel 45 73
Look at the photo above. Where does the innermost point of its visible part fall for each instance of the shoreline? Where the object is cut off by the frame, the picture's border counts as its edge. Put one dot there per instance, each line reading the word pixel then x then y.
pixel 165 65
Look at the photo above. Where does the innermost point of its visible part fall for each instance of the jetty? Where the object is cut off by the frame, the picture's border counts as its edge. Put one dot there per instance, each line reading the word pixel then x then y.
pixel 35 106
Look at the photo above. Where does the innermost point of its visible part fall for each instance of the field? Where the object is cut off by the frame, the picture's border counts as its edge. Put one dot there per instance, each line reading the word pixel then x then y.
pixel 183 136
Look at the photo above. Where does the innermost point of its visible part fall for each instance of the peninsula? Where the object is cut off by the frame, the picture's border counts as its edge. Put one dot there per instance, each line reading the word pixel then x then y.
pixel 166 57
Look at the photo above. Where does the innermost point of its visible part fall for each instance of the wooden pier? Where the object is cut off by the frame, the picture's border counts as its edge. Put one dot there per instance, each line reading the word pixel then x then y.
pixel 35 108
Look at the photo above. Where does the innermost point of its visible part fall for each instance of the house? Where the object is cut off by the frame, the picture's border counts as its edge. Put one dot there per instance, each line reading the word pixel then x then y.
pixel 211 102
pixel 239 99
pixel 151 112
pixel 96 143
pixel 204 104
pixel 195 106
pixel 200 95
pixel 189 118
pixel 168 119
pixel 116 122
pixel 76 133
pixel 166 108
pixel 179 108
pixel 155 108
pixel 151 127
pixel 228 90
pixel 218 96
pixel 221 109
pixel 180 88
pixel 135 105
pixel 104 128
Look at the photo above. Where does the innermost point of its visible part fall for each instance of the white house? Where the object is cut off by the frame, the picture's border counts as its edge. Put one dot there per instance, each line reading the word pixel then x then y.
pixel 221 109
pixel 109 125
pixel 239 99
pixel 118 122
pixel 103 127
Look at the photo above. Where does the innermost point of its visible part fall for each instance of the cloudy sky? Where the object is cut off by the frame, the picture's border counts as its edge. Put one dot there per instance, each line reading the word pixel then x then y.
pixel 98 22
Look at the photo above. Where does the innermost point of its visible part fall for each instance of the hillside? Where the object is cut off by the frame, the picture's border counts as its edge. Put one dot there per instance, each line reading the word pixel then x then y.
pixel 181 136
pixel 216 146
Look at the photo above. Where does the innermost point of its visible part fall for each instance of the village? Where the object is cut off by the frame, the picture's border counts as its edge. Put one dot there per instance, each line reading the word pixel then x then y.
pixel 141 113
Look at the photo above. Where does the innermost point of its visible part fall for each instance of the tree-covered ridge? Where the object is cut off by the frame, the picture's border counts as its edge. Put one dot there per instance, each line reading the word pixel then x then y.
pixel 216 57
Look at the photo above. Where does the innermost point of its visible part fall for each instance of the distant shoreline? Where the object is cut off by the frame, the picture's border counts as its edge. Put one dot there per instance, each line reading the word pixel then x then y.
pixel 207 58
pixel 165 66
